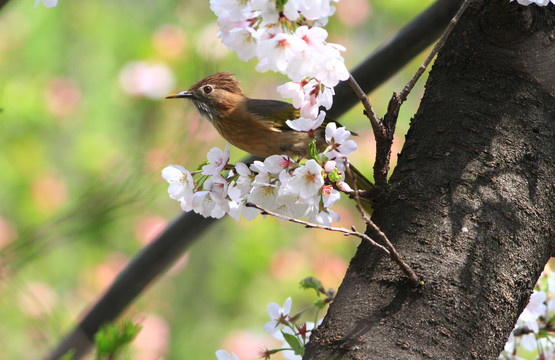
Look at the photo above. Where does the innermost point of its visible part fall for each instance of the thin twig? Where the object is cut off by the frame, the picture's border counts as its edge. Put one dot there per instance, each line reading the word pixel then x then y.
pixel 393 254
pixel 410 85
pixel 377 125
pixel 310 225
pixel 414 279
pixel 383 144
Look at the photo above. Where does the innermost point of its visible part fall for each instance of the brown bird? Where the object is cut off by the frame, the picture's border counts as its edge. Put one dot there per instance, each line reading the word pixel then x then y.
pixel 256 126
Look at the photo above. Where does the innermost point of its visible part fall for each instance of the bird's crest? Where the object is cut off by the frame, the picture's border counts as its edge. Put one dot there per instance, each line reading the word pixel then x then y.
pixel 222 81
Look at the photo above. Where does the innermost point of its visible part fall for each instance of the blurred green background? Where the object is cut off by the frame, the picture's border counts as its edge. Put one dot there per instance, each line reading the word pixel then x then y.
pixel 84 135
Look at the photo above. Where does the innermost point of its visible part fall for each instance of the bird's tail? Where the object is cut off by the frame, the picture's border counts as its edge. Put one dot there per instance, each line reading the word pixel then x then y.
pixel 362 183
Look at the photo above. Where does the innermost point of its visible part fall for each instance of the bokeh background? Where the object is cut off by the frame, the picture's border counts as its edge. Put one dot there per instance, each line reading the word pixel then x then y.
pixel 84 134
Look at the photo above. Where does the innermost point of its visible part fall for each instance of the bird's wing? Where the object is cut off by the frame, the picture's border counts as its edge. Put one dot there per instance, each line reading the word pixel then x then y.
pixel 276 112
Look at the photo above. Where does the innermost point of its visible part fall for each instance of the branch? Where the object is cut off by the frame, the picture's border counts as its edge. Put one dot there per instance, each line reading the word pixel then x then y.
pixel 310 225
pixel 410 85
pixel 377 125
pixel 387 128
pixel 393 254
pixel 389 249
pixel 395 53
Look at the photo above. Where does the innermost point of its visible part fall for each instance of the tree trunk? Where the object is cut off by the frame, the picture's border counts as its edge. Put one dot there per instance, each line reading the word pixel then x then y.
pixel 470 205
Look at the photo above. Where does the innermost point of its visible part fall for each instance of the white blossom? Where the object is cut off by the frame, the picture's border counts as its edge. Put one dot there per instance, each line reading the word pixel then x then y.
pixel 203 204
pixel 217 161
pixel 333 71
pixel 275 164
pixel 536 307
pixel 293 90
pixel 234 9
pixel 325 217
pixel 306 124
pixel 329 196
pixel 180 181
pixel 337 137
pixel 267 10
pixel 307 180
pixel 278 51
pixel 224 355
pixel 537 2
pixel 278 315
pixel 47 3
pixel 241 39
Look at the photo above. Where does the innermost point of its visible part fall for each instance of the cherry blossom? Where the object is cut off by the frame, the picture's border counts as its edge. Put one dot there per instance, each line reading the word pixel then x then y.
pixel 234 9
pixel 224 355
pixel 337 138
pixel 306 124
pixel 293 90
pixel 180 180
pixel 217 161
pixel 278 314
pixel 275 164
pixel 537 2
pixel 276 52
pixel 307 180
pixel 47 3
pixel 325 217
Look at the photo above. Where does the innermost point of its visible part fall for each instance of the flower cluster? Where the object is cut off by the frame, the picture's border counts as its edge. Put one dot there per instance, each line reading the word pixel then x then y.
pixel 293 333
pixel 536 325
pixel 286 37
pixel 278 183
pixel 537 2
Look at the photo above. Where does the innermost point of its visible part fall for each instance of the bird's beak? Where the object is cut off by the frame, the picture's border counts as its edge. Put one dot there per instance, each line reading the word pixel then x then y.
pixel 179 95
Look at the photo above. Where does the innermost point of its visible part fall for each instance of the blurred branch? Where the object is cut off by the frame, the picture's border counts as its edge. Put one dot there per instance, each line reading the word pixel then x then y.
pixel 154 259
pixel 2 3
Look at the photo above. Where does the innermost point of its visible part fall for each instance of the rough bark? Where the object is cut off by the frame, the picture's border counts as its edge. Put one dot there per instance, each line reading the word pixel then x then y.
pixel 470 205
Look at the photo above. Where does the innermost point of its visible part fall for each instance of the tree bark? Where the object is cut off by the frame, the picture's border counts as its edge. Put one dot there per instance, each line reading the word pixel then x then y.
pixel 470 205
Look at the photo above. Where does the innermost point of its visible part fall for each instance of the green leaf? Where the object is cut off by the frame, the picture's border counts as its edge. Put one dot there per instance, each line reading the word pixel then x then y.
pixel 205 162
pixel 111 339
pixel 319 304
pixel 313 150
pixel 311 283
pixel 295 343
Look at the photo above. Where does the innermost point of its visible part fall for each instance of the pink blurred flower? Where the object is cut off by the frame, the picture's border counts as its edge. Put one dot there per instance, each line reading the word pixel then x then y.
pixel 140 78
pixel 169 41
pixel 106 272
pixel 147 227
pixel 245 345
pixel 49 193
pixel 153 339
pixel 8 233
pixel 63 96
pixel 37 299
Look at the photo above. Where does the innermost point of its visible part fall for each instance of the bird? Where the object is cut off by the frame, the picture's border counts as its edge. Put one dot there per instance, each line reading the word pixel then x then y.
pixel 257 126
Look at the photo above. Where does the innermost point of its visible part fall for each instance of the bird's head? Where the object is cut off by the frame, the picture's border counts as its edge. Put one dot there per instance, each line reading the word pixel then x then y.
pixel 213 95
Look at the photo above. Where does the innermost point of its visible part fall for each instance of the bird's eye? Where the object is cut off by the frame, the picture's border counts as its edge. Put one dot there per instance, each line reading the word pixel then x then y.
pixel 208 89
